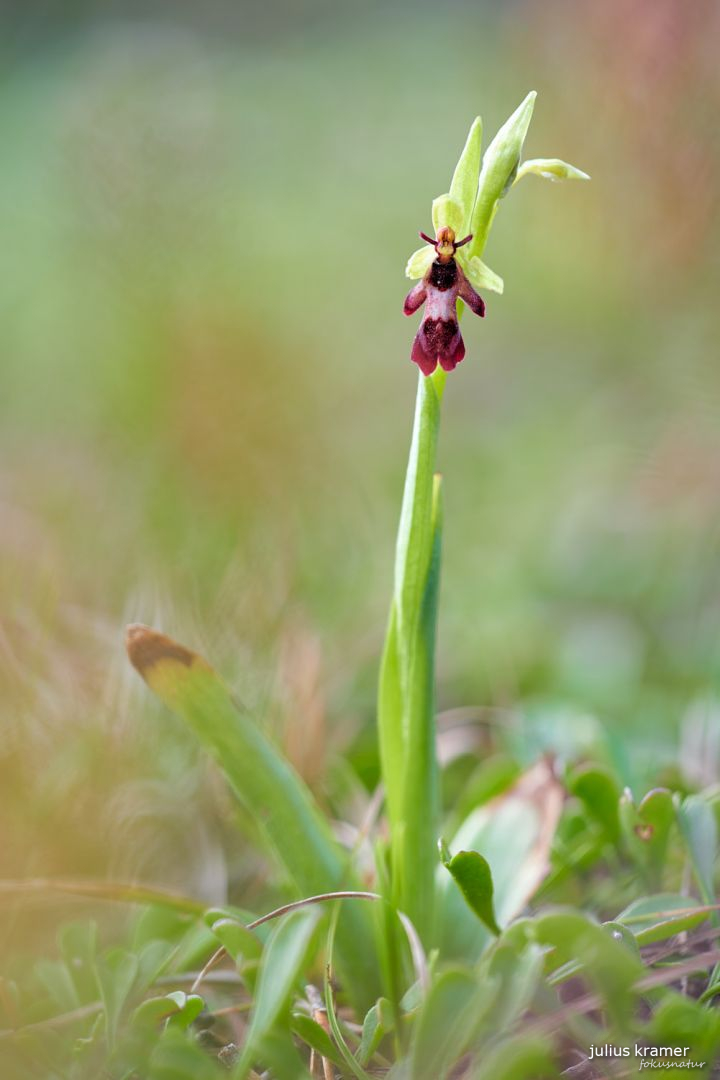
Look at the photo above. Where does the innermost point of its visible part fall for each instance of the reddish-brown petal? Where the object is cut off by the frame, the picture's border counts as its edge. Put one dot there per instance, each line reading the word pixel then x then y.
pixel 473 300
pixel 419 356
pixel 450 359
pixel 415 298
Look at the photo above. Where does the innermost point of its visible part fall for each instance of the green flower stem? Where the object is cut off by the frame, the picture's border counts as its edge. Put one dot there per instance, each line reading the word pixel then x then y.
pixel 406 701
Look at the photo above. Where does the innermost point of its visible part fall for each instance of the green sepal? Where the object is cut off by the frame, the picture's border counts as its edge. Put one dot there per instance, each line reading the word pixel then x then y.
pixel 447 212
pixel 481 276
pixel 420 262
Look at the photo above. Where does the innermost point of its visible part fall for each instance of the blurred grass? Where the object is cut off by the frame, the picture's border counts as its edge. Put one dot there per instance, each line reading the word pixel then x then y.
pixel 206 397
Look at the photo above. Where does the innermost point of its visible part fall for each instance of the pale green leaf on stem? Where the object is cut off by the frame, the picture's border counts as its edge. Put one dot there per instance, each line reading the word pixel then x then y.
pixel 415 538
pixel 464 185
pixel 390 722
pixel 550 169
pixel 499 168
pixel 414 840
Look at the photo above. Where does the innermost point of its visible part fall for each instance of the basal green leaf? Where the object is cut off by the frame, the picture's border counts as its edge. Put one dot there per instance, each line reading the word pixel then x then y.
pixel 607 964
pixel 655 918
pixel 153 1011
pixel 510 972
pixel 646 829
pixel 282 966
pixel 278 1051
pixel 58 982
pixel 445 1025
pixel 513 833
pixel 117 971
pixel 283 807
pixel 518 1059
pixel 316 1037
pixel 474 879
pixel 352 1063
pixel 177 1006
pixel 656 809
pixel 680 1021
pixel 698 828
pixel 177 1057
pixel 600 792
pixel 378 1022
pixel 189 1007
pixel 623 934
pixel 154 958
pixel 78 947
pixel 241 944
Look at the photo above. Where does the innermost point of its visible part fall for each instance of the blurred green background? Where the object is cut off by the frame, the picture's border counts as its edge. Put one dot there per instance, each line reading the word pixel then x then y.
pixel 206 397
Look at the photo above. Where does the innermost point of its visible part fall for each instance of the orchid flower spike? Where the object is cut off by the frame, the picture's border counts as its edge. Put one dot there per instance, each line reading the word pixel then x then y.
pixel 450 269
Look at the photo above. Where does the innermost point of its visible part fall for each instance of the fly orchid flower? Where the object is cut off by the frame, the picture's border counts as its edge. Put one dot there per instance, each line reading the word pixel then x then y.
pixel 444 282
pixel 450 269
